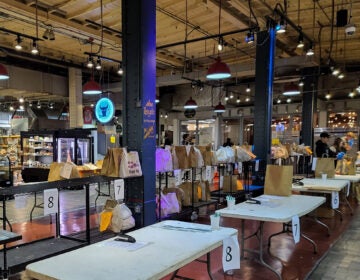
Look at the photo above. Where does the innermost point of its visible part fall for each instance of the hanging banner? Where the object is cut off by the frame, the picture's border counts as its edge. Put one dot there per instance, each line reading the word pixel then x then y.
pixel 88 115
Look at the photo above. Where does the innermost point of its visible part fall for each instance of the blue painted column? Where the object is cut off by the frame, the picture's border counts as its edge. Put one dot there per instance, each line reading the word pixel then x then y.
pixel 139 91
pixel 264 75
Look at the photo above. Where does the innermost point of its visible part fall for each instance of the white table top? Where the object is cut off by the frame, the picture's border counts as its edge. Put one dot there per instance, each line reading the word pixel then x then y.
pixel 353 178
pixel 169 248
pixel 274 208
pixel 328 185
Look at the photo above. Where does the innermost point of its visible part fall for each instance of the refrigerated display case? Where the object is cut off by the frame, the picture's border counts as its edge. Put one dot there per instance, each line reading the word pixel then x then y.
pixel 5 172
pixel 75 145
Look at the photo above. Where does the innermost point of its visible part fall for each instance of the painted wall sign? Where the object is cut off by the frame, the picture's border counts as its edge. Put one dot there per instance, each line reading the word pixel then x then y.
pixel 104 110
pixel 88 115
pixel 149 120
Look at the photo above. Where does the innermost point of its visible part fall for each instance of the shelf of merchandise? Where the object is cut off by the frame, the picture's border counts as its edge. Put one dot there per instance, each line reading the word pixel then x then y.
pixel 37 150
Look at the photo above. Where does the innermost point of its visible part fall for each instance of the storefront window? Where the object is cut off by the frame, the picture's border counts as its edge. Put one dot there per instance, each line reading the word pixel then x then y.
pixel 343 120
pixel 197 132
pixel 286 128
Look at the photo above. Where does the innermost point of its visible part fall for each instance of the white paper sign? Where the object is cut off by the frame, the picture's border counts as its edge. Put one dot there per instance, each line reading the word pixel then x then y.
pixel 257 162
pixel 65 171
pixel 231 254
pixel 208 172
pixel 313 166
pixel 221 181
pixel 240 167
pixel 51 198
pixel 177 175
pixel 335 200
pixel 20 201
pixel 119 189
pixel 296 228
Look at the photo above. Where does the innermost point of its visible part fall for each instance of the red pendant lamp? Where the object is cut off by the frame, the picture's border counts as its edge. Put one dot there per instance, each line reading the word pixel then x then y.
pixel 218 70
pixel 4 75
pixel 219 108
pixel 91 87
pixel 291 89
pixel 190 104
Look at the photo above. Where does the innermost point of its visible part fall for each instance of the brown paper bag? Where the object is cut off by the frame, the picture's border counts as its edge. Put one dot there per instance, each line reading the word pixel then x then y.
pixel 181 157
pixel 325 166
pixel 230 183
pixel 278 180
pixel 111 163
pixel 345 167
pixel 54 172
pixel 206 154
pixel 192 157
pixel 188 192
pixel 205 191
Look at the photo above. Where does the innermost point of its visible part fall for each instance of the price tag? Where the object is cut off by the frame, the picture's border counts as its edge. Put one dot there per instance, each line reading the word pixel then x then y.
pixel 177 175
pixel 334 200
pixel 296 228
pixel 119 189
pixel 240 167
pixel 313 165
pixel 231 254
pixel 257 163
pixel 112 139
pixel 208 173
pixel 20 201
pixel 65 171
pixel 51 199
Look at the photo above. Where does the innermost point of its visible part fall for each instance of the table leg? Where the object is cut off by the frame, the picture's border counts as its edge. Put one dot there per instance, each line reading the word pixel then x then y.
pixel 311 241
pixel 348 204
pixel 261 252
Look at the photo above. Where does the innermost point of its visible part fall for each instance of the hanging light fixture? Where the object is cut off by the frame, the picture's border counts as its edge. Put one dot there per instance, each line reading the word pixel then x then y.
pixel 91 87
pixel 34 49
pixel 291 89
pixel 219 108
pixel 3 73
pixel 120 70
pixel 248 89
pixel 300 44
pixel 190 104
pixel 18 42
pixel 301 82
pixel 218 70
pixel 90 63
pixel 250 37
pixel 221 44
pixel 98 64
pixel 310 51
pixel 280 26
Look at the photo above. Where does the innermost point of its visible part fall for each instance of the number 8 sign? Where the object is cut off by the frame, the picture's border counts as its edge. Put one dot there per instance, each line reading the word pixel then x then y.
pixel 51 198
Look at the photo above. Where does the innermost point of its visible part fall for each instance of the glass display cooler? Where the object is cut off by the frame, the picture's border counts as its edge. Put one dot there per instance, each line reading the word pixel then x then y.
pixel 75 145
pixel 5 172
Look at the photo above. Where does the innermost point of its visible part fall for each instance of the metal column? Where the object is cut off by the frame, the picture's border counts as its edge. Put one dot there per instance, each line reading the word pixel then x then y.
pixel 309 105
pixel 139 91
pixel 264 71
